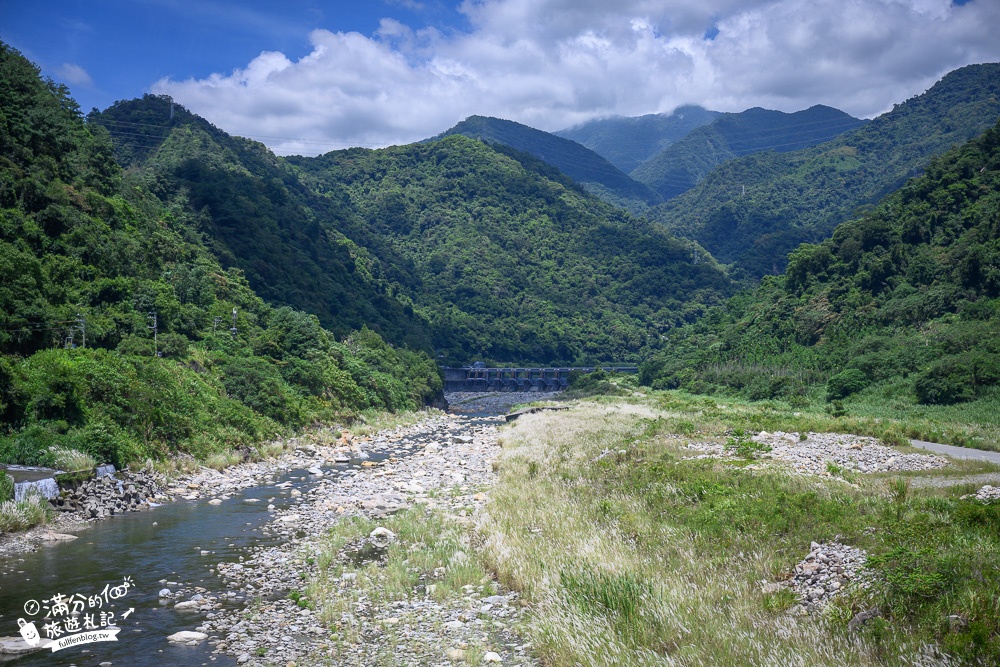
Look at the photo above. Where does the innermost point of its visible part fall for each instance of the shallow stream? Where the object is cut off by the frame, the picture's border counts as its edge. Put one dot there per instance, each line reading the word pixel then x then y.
pixel 151 550
pixel 164 543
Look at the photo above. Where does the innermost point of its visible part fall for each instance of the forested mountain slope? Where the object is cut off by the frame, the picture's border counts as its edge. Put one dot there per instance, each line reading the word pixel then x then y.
pixel 684 163
pixel 513 261
pixel 583 165
pixel 121 334
pixel 627 142
pixel 902 303
pixel 257 216
pixel 469 249
pixel 753 210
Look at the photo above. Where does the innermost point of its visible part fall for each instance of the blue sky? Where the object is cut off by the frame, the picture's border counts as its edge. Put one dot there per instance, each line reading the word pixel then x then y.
pixel 107 50
pixel 306 76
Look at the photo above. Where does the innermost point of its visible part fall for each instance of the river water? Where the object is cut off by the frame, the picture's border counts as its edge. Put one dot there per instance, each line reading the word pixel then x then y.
pixel 164 543
pixel 151 550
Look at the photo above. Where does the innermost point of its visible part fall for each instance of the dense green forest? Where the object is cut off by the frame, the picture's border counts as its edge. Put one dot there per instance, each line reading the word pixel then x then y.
pixel 627 142
pixel 583 165
pixel 120 332
pixel 456 247
pixel 900 306
pixel 255 215
pixel 687 161
pixel 752 211
pixel 511 261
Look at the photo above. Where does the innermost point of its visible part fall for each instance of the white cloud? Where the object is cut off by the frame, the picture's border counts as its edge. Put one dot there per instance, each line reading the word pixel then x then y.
pixel 554 63
pixel 74 74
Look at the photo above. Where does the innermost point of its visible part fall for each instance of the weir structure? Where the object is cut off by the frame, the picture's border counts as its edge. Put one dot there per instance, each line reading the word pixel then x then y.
pixel 480 378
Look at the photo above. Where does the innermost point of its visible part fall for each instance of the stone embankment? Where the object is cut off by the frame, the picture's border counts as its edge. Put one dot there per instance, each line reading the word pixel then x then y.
pixel 444 464
pixel 101 497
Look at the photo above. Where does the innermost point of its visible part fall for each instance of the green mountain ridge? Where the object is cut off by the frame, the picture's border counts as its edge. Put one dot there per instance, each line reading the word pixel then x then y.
pixel 627 142
pixel 121 335
pixel 514 262
pixel 256 216
pixel 752 211
pixel 416 221
pixel 899 305
pixel 583 165
pixel 685 162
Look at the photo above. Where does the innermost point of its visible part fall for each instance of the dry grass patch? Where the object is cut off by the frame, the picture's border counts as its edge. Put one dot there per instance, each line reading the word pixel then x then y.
pixel 633 557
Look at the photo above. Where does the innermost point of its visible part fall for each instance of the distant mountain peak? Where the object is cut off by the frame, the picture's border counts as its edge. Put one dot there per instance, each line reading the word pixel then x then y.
pixel 578 162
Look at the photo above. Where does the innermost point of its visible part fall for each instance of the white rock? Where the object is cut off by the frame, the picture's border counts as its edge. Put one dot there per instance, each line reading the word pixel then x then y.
pixel 56 537
pixel 382 537
pixel 492 657
pixel 187 636
pixel 215 501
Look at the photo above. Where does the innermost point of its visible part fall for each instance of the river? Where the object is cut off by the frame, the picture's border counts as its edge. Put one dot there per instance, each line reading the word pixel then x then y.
pixel 174 546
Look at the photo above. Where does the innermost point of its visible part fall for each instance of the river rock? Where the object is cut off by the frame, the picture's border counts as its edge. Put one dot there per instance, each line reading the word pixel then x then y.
pixel 17 646
pixel 187 604
pixel 56 537
pixel 986 495
pixel 185 636
pixel 382 537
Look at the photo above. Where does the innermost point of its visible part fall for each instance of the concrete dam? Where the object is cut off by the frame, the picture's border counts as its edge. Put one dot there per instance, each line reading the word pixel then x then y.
pixel 480 378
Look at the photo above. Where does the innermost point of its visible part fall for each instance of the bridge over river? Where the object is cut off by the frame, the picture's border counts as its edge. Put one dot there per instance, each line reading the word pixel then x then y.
pixel 480 378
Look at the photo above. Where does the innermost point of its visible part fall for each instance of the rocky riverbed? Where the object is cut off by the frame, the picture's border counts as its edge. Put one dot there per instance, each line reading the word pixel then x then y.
pixel 825 454
pixel 495 402
pixel 444 465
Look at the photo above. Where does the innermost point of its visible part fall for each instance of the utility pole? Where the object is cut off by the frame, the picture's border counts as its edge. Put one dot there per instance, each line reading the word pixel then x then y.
pixel 81 324
pixel 234 330
pixel 153 326
pixel 69 339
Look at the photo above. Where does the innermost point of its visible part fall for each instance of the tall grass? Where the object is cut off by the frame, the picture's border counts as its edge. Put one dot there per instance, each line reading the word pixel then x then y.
pixel 71 460
pixel 33 510
pixel 429 558
pixel 642 558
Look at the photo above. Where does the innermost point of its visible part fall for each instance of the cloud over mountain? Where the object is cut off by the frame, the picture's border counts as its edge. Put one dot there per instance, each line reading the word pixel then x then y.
pixel 553 63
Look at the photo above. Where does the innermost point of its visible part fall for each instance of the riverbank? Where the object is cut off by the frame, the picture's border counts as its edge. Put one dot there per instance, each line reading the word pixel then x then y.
pixel 319 601
pixel 673 526
pixel 435 471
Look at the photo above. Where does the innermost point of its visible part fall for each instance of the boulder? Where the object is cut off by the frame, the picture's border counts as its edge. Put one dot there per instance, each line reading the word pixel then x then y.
pixel 382 537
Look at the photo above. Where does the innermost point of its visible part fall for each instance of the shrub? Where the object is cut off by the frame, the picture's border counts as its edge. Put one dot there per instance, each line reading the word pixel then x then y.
pixel 257 385
pixel 23 514
pixel 6 486
pixel 71 460
pixel 743 446
pixel 957 378
pixel 845 383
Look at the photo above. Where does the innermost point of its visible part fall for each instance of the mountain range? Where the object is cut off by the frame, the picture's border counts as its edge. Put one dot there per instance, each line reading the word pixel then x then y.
pixel 626 142
pixel 278 291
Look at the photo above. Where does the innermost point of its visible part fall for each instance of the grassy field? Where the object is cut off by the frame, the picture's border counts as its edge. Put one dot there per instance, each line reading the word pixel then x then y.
pixel 639 557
